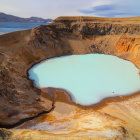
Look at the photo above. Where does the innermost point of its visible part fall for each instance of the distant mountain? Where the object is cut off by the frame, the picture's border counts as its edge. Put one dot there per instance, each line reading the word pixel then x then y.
pixel 10 18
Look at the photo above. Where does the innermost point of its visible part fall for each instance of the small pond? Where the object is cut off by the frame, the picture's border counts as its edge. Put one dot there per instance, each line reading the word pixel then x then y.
pixel 89 78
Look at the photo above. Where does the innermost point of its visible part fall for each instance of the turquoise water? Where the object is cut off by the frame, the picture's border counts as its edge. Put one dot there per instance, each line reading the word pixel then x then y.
pixel 6 27
pixel 89 78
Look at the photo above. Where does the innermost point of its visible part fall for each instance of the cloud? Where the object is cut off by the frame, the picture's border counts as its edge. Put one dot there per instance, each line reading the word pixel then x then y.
pixel 55 8
pixel 44 8
pixel 116 8
pixel 106 11
pixel 98 9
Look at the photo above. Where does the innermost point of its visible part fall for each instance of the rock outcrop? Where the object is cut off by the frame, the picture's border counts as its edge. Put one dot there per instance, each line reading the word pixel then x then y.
pixel 20 100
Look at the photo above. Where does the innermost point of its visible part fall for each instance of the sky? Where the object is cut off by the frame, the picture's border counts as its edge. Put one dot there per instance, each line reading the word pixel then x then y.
pixel 55 8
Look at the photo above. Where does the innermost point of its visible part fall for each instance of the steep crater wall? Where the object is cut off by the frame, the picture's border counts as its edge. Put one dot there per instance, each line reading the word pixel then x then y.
pixel 65 36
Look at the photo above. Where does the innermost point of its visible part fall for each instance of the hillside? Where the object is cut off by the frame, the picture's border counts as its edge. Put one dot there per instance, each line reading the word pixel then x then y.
pixel 10 18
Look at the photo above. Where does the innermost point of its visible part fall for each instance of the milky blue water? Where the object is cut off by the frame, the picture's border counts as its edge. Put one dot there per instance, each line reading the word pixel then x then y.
pixel 6 27
pixel 89 78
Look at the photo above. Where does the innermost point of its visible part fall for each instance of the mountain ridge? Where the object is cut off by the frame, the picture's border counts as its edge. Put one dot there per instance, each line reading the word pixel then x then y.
pixel 11 18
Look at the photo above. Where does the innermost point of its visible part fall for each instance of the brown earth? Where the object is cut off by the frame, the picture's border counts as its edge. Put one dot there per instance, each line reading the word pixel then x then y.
pixel 20 100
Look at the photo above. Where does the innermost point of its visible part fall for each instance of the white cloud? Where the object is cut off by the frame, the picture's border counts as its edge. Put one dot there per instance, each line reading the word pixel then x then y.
pixel 55 8
pixel 44 8
pixel 114 8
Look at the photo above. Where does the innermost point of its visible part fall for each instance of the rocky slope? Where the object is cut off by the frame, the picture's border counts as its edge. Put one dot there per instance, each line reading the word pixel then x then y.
pixel 20 101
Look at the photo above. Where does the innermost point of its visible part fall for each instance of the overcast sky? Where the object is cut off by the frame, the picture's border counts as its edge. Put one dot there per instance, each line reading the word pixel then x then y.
pixel 55 8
